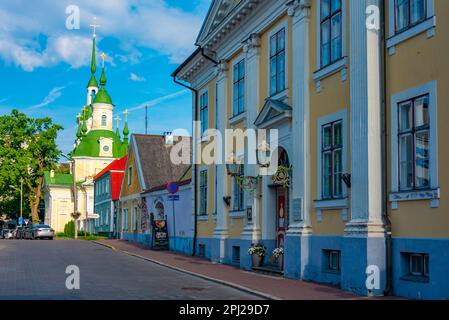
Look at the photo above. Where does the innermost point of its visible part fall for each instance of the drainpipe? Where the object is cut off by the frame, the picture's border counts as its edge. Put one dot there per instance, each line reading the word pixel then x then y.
pixel 195 177
pixel 203 53
pixel 387 220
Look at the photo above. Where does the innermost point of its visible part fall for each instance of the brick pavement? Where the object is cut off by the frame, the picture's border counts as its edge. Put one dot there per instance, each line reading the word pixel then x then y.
pixel 266 286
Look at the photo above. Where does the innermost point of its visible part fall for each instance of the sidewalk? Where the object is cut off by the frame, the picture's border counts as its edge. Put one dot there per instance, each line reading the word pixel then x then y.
pixel 269 287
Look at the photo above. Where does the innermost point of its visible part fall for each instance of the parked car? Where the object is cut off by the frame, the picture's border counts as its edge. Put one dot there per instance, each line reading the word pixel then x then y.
pixel 40 231
pixel 8 234
pixel 19 232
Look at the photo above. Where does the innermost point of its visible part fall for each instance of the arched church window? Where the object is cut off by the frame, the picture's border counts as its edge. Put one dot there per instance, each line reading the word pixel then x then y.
pixel 92 96
pixel 104 120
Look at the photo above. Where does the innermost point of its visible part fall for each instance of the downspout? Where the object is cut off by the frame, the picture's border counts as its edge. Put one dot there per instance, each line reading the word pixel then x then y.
pixel 195 176
pixel 387 221
pixel 215 62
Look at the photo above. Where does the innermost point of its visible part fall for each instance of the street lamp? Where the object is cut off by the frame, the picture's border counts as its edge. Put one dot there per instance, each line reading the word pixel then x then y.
pixel 75 193
pixel 21 195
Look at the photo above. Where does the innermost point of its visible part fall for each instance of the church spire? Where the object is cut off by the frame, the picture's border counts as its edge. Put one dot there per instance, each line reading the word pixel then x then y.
pixel 126 129
pixel 92 85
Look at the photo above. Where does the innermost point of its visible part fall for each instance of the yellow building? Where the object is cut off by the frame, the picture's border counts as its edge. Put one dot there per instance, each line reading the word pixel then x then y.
pixel 353 88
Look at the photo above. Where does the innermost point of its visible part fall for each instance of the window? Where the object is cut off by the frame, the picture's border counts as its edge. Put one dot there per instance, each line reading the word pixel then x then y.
pixel 107 185
pixel 125 219
pixel 238 193
pixel 204 112
pixel 108 213
pixel 332 260
pixel 416 265
pixel 413 144
pixel 239 88
pixel 134 221
pixel 332 160
pixel 235 254
pixel 202 250
pixel 130 175
pixel 104 120
pixel 331 31
pixel 409 13
pixel 277 62
pixel 203 193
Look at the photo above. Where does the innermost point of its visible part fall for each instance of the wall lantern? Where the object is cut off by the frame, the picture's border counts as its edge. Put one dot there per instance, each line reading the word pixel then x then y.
pixel 233 166
pixel 263 149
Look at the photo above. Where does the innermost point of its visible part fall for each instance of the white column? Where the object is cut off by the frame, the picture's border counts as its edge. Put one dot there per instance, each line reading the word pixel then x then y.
pixel 301 196
pixel 365 119
pixel 252 231
pixel 222 230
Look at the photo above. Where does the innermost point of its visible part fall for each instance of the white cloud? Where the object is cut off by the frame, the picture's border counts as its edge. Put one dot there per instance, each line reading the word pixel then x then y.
pixel 151 103
pixel 137 24
pixel 51 97
pixel 135 77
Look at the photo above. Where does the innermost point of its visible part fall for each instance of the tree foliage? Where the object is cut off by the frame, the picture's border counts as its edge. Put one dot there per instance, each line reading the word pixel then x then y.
pixel 27 149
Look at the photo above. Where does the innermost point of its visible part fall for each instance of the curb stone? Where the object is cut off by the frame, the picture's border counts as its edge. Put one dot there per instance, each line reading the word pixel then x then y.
pixel 198 275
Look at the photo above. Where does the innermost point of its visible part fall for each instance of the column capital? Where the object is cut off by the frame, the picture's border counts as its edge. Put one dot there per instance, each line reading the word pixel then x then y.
pixel 251 46
pixel 299 9
pixel 221 70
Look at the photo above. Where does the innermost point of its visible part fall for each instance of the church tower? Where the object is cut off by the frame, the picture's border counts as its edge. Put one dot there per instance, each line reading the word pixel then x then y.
pixel 96 142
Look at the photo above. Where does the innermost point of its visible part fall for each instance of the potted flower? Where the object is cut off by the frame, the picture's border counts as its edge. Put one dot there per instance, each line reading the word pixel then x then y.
pixel 257 252
pixel 278 254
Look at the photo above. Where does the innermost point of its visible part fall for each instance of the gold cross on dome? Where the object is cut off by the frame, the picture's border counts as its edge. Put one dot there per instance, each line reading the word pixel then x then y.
pixel 126 112
pixel 103 56
pixel 117 119
pixel 95 26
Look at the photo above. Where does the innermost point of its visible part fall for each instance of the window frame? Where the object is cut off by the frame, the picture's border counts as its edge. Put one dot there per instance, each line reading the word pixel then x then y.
pixel 332 149
pixel 130 175
pixel 410 24
pixel 104 120
pixel 413 131
pixel 281 94
pixel 240 80
pixel 277 56
pixel 329 18
pixel 203 191
pixel 204 112
pixel 433 191
pixel 321 202
pixel 428 24
pixel 238 206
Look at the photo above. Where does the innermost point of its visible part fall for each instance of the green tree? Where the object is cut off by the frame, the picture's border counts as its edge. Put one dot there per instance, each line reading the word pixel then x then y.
pixel 27 149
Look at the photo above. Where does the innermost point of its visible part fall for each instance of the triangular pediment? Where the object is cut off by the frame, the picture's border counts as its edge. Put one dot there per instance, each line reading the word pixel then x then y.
pixel 218 11
pixel 272 113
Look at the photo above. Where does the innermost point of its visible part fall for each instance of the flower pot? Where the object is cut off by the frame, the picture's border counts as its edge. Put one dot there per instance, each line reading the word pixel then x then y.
pixel 280 262
pixel 257 260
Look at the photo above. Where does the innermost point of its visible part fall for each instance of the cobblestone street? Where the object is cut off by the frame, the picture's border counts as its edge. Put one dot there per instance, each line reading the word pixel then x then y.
pixel 36 270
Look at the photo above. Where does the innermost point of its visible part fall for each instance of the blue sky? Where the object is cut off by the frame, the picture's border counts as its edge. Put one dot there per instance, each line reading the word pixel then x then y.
pixel 44 67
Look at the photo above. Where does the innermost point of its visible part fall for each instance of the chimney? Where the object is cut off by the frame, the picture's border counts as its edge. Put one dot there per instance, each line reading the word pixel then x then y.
pixel 168 138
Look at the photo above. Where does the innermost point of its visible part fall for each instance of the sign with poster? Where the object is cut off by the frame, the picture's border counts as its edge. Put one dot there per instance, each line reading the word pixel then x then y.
pixel 160 241
pixel 144 217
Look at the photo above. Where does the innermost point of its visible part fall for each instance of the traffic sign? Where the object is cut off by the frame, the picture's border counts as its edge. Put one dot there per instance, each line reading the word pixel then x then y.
pixel 172 187
pixel 20 221
pixel 173 197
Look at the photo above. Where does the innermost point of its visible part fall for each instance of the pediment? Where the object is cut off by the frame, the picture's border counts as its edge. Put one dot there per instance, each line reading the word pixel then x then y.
pixel 273 112
pixel 218 11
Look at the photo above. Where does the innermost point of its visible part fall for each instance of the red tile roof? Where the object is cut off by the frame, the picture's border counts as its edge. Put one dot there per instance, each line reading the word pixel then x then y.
pixel 117 170
pixel 116 165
